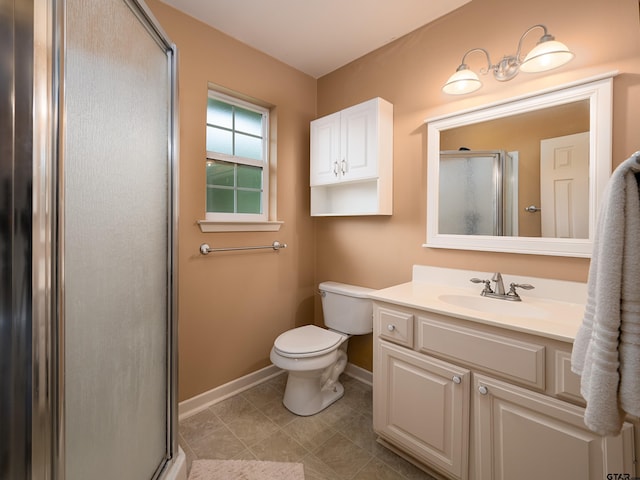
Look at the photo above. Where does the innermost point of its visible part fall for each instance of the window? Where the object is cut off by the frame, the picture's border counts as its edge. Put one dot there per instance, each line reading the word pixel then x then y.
pixel 237 163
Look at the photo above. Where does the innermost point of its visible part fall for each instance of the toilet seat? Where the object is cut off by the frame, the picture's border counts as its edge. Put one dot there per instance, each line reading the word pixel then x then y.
pixel 307 341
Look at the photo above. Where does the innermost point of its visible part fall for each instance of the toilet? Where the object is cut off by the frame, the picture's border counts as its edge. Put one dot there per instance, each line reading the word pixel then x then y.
pixel 315 357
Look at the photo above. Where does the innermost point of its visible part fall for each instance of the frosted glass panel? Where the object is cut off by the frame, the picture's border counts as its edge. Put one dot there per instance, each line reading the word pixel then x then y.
pixel 219 113
pixel 116 179
pixel 248 147
pixel 467 201
pixel 219 140
pixel 249 177
pixel 248 122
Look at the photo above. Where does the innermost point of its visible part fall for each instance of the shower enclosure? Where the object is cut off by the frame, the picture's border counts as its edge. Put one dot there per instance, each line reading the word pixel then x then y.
pixel 88 217
pixel 478 192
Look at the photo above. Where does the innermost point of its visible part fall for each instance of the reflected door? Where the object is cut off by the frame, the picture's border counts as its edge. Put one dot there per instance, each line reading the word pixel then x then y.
pixel 564 186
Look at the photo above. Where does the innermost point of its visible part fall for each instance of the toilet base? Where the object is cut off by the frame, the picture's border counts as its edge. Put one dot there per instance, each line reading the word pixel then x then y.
pixel 304 395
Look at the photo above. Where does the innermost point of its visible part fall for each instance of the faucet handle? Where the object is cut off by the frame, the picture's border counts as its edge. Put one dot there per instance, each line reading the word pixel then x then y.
pixel 513 286
pixel 487 285
pixel 524 286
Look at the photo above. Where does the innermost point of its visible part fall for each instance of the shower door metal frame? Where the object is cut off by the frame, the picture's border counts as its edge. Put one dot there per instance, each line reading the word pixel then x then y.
pixel 47 410
pixel 16 152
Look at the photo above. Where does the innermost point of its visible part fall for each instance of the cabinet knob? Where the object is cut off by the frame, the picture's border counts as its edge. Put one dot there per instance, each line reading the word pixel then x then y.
pixel 483 390
pixel 391 327
pixel 456 379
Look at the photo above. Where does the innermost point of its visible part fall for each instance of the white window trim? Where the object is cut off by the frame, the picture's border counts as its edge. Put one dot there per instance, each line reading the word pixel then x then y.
pixel 239 222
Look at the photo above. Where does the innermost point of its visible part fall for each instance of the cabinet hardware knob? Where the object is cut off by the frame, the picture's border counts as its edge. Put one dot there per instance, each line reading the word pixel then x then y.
pixel 391 327
pixel 483 390
pixel 456 379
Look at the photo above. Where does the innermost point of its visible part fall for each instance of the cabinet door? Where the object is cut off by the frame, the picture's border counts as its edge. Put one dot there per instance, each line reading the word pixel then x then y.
pixel 325 150
pixel 423 407
pixel 527 436
pixel 359 141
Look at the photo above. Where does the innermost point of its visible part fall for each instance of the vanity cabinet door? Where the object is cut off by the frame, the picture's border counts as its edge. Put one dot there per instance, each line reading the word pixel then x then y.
pixel 524 435
pixel 421 405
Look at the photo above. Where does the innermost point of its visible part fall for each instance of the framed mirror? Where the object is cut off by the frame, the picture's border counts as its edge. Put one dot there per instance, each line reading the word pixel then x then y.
pixel 524 175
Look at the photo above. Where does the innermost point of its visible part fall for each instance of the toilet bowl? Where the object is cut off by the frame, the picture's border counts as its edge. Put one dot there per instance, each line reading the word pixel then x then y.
pixel 315 357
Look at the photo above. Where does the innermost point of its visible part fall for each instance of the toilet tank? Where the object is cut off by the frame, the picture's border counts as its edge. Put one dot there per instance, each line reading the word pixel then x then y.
pixel 347 308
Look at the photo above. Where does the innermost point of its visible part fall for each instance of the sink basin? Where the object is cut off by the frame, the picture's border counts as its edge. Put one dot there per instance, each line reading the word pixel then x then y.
pixel 494 306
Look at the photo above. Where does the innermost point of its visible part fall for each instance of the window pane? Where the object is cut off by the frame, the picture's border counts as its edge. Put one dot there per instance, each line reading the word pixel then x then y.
pixel 219 140
pixel 249 202
pixel 220 173
pixel 219 200
pixel 219 114
pixel 249 177
pixel 248 147
pixel 248 122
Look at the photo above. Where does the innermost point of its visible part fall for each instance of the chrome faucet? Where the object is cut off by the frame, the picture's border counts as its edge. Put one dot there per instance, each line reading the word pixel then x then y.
pixel 499 291
pixel 499 287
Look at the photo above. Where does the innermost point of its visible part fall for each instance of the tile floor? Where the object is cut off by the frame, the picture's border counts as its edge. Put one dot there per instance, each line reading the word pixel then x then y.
pixel 335 444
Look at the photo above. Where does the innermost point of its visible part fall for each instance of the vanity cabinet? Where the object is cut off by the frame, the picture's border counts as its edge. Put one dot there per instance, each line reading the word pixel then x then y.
pixel 473 401
pixel 425 409
pixel 351 170
pixel 529 436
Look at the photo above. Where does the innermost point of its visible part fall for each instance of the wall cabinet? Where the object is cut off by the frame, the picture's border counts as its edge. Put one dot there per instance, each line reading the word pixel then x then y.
pixel 469 401
pixel 351 171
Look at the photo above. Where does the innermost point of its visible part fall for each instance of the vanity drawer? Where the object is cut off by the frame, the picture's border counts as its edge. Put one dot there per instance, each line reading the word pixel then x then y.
pixel 395 326
pixel 522 362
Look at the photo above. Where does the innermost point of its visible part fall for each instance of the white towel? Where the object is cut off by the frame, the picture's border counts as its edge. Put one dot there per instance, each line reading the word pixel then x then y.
pixel 606 351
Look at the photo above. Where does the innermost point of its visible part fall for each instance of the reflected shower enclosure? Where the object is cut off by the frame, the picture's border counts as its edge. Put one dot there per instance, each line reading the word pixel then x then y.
pixel 478 194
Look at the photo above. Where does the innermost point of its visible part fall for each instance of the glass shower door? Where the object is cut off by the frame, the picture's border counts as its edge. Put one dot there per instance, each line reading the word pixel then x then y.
pixel 116 243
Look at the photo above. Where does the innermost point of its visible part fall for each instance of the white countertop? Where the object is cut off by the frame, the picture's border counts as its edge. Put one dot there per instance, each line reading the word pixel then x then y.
pixel 448 292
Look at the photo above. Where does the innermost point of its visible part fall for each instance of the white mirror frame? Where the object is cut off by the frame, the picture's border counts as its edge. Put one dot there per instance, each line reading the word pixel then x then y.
pixel 599 92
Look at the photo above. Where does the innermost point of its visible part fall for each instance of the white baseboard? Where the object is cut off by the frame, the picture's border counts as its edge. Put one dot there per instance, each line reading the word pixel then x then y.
pixel 359 373
pixel 196 404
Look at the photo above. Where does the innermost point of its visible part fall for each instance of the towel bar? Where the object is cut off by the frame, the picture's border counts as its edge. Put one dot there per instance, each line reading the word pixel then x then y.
pixel 205 249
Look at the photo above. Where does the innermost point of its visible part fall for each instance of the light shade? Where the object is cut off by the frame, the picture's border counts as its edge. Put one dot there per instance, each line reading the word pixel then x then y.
pixel 546 56
pixel 461 82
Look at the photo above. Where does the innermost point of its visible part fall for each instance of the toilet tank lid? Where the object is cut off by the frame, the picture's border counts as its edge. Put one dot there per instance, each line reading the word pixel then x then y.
pixel 345 289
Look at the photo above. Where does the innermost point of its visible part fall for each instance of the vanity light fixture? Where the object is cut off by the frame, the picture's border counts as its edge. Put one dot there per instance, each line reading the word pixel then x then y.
pixel 546 55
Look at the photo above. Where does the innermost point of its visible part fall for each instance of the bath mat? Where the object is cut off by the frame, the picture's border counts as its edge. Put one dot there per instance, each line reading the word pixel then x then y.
pixel 245 470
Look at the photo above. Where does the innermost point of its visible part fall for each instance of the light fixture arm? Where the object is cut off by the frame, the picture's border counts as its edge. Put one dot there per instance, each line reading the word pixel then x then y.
pixel 505 70
pixel 464 66
pixel 545 37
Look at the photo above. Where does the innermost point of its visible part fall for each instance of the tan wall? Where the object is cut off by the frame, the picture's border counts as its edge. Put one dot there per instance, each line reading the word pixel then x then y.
pixel 233 305
pixel 379 252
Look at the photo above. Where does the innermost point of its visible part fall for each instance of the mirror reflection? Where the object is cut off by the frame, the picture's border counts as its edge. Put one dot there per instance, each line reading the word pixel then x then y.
pixel 524 175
